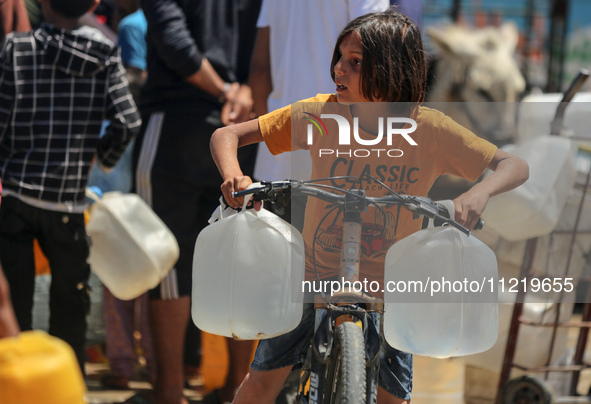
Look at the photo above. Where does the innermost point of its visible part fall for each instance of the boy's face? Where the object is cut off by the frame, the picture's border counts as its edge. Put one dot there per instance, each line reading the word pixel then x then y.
pixel 347 71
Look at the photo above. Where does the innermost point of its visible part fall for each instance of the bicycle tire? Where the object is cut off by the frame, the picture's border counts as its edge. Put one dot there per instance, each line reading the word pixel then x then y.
pixel 345 378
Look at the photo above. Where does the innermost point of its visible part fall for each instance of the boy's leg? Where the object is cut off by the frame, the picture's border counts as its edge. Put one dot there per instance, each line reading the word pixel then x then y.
pixel 163 180
pixel 168 319
pixel 395 378
pixel 146 336
pixel 386 398
pixel 119 343
pixel 65 244
pixel 17 258
pixel 273 361
pixel 264 387
pixel 192 358
pixel 261 387
pixel 240 353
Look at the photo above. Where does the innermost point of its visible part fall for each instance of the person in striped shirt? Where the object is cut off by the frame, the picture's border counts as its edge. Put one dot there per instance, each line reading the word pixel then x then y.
pixel 57 86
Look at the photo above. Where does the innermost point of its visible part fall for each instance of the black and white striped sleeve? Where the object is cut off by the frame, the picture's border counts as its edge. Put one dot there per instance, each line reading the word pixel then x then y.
pixel 7 86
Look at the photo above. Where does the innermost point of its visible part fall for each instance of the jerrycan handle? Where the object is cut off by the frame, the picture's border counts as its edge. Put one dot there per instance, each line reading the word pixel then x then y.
pixel 248 197
pixel 271 219
pixel 223 211
pixel 451 208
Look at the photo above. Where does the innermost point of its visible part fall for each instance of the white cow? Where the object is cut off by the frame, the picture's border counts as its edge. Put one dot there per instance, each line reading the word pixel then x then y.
pixel 477 72
pixel 478 83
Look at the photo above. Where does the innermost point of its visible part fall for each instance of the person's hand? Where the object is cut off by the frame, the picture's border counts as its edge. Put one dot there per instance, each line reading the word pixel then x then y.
pixel 469 207
pixel 235 184
pixel 238 105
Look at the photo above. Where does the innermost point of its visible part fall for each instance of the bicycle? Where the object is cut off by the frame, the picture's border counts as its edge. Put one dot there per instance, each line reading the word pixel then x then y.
pixel 342 361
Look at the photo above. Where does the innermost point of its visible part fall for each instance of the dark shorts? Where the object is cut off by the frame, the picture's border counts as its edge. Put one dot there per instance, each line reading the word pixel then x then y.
pixel 290 350
pixel 175 174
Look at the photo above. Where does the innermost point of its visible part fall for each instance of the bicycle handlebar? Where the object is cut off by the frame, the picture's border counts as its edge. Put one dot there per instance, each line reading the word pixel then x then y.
pixel 419 206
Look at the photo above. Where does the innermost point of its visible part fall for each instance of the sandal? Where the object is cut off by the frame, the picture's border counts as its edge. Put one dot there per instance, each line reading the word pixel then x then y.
pixel 193 378
pixel 115 382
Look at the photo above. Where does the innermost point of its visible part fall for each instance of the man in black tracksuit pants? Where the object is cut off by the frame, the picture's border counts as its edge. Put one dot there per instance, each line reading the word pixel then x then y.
pixel 198 58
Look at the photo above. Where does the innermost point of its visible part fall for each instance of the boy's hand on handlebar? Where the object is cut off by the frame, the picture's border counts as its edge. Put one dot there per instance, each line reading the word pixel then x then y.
pixel 469 207
pixel 235 184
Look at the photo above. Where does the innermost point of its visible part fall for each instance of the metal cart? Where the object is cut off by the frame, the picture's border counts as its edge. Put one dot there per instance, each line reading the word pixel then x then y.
pixel 533 390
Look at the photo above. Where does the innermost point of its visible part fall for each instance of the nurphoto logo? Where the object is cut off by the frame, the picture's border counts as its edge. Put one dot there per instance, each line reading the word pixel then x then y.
pixel 395 126
pixel 317 122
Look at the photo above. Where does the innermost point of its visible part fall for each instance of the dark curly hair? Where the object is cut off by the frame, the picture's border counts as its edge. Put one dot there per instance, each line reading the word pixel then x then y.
pixel 394 66
pixel 71 8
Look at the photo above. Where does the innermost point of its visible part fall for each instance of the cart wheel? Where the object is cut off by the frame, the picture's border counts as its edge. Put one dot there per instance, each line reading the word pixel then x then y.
pixel 526 390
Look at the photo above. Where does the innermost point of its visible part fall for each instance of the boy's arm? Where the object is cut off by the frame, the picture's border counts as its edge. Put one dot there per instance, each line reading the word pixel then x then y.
pixel 224 146
pixel 125 119
pixel 509 172
pixel 7 86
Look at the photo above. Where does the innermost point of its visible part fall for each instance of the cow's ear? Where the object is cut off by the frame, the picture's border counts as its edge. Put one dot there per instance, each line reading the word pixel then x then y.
pixel 454 41
pixel 440 40
pixel 510 35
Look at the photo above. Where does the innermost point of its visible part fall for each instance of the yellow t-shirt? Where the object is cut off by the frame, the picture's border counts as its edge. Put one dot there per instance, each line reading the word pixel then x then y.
pixel 443 147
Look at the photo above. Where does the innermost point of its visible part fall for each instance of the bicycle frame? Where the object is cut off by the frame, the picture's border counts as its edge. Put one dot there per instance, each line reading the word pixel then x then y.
pixel 342 307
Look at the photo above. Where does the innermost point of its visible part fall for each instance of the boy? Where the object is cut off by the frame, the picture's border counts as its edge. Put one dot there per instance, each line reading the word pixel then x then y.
pixel 378 57
pixel 57 85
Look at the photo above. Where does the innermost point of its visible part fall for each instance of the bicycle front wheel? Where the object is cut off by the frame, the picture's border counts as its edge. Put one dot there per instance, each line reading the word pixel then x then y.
pixel 345 378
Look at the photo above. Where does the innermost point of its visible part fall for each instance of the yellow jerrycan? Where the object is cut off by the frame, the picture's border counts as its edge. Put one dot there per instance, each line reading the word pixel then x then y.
pixel 37 368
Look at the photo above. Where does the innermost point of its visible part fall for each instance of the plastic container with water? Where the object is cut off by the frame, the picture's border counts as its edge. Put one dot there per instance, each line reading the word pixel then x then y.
pixel 131 248
pixel 247 274
pixel 536 112
pixel 533 209
pixel 454 317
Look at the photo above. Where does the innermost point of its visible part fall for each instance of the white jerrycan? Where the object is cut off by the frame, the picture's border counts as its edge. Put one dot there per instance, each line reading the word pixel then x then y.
pixel 533 209
pixel 445 302
pixel 248 269
pixel 131 249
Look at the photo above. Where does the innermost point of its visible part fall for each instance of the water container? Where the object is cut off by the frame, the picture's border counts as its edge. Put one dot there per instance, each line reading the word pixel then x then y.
pixel 533 209
pixel 247 275
pixel 536 112
pixel 461 321
pixel 37 368
pixel 131 248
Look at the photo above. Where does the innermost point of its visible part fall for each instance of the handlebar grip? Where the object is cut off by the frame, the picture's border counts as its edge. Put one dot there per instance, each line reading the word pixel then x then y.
pixel 251 190
pixel 238 194
pixel 443 211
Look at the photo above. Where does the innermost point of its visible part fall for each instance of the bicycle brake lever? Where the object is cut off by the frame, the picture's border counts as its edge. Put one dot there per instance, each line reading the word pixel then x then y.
pixel 265 187
pixel 458 226
pixel 421 206
pixel 444 212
